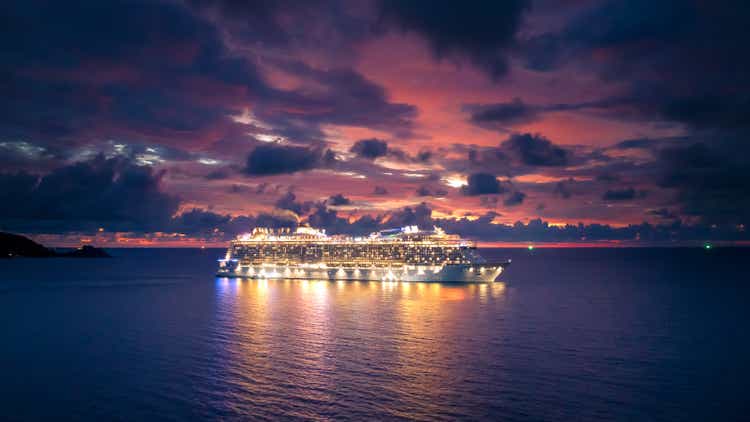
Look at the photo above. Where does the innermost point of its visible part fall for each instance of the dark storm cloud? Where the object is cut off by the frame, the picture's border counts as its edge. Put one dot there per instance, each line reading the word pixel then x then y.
pixel 288 201
pixel 217 175
pixel 504 115
pixel 516 198
pixel 273 159
pixel 535 150
pixel 380 190
pixel 210 225
pixel 338 200
pixel 113 193
pixel 328 219
pixel 520 153
pixel 607 177
pixel 501 115
pixel 348 98
pixel 425 190
pixel 373 148
pixel 169 80
pixel 481 31
pixel 158 72
pixel 249 20
pixel 328 28
pixel 710 180
pixel 619 194
pixel 483 184
pixel 370 148
pixel 130 69
pixel 679 62
pixel 424 155
pixel 419 215
pixel 664 213
pixel 701 176
pixel 536 230
pixel 563 188
pixel 641 143
pixel 683 61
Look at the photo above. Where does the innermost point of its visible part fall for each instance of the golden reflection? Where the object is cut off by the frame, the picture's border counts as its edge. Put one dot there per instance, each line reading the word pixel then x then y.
pixel 320 290
pixel 262 287
pixel 497 289
pixel 453 293
pixel 315 327
pixel 483 293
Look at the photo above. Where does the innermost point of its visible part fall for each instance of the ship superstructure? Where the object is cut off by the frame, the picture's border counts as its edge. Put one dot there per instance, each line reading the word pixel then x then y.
pixel 405 254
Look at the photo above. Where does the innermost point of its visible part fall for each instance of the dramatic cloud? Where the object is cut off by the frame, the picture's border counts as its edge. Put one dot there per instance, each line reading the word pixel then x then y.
pixel 563 188
pixel 420 215
pixel 157 70
pixel 535 150
pixel 207 224
pixel 339 96
pixel 502 115
pixel 619 194
pixel 112 193
pixel 520 153
pixel 273 159
pixel 206 117
pixel 710 180
pixel 516 198
pixel 217 175
pixel 482 184
pixel 482 32
pixel 89 71
pixel 661 51
pixel 338 200
pixel 370 148
pixel 288 201
pixel 431 191
pixel 380 190
pixel 663 213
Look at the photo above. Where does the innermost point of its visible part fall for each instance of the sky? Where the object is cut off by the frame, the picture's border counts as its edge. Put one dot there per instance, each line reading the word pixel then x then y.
pixel 187 122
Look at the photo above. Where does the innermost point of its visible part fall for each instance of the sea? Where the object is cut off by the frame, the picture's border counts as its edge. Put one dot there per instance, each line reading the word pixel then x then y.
pixel 633 334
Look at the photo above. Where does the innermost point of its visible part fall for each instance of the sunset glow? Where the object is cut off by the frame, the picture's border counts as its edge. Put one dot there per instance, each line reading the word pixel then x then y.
pixel 185 123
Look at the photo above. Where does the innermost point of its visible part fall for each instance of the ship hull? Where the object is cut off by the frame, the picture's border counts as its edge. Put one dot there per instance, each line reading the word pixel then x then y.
pixel 454 273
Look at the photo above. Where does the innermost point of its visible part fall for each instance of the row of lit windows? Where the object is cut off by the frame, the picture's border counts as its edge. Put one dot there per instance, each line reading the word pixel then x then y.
pixel 351 253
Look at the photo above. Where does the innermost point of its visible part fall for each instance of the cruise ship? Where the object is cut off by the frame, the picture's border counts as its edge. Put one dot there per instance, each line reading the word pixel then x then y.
pixel 404 254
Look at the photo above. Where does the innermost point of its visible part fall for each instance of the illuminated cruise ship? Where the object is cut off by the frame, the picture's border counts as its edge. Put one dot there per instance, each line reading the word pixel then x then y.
pixel 405 254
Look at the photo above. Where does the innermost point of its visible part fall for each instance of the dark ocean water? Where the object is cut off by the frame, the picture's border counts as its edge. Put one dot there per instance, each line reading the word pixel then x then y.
pixel 576 334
